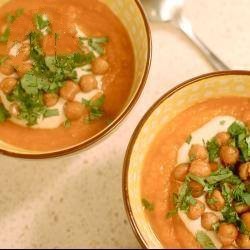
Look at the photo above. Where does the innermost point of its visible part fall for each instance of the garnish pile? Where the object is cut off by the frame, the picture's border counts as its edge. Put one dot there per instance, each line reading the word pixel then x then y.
pixel 33 82
pixel 215 187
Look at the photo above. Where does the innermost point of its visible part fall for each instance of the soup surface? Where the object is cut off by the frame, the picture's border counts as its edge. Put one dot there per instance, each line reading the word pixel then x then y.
pixel 175 228
pixel 66 71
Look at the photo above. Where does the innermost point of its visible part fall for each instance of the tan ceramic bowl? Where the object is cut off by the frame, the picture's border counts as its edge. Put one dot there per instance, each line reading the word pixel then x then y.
pixel 132 16
pixel 231 83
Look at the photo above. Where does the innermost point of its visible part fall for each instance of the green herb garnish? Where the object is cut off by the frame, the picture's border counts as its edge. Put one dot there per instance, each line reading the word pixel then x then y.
pixel 237 128
pixel 50 113
pixel 67 124
pixel 222 122
pixel 4 114
pixel 10 18
pixel 3 59
pixel 189 139
pixel 96 43
pixel 171 213
pixel 204 240
pixel 42 23
pixel 4 37
pixel 95 108
pixel 147 205
pixel 213 150
pixel 31 105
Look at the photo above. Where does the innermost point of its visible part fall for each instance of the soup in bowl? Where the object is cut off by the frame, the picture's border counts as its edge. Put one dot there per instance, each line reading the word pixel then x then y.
pixel 187 167
pixel 69 72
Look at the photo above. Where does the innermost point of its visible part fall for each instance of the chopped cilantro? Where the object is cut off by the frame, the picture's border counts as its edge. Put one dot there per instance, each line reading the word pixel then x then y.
pixel 32 83
pixel 189 139
pixel 237 128
pixel 171 213
pixel 96 43
pixel 50 113
pixel 4 37
pixel 4 114
pixel 215 226
pixel 67 124
pixel 204 240
pixel 246 198
pixel 219 175
pixel 31 105
pixel 42 23
pixel 95 108
pixel 222 122
pixel 147 205
pixel 243 228
pixel 184 198
pixel 228 212
pixel 213 150
pixel 10 18
pixel 3 59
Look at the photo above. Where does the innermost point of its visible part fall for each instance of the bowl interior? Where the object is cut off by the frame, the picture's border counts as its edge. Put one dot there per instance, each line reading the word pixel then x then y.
pixel 131 15
pixel 209 86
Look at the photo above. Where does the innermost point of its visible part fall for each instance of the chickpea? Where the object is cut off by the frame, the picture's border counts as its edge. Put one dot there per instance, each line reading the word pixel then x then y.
pixel 208 220
pixel 74 110
pixel 197 189
pixel 7 68
pixel 198 152
pixel 24 68
pixel 227 233
pixel 222 138
pixel 8 84
pixel 244 171
pixel 214 166
pixel 229 155
pixel 243 241
pixel 100 66
pixel 195 211
pixel 88 83
pixel 200 168
pixel 69 90
pixel 50 99
pixel 240 207
pixel 215 200
pixel 14 109
pixel 180 171
pixel 246 220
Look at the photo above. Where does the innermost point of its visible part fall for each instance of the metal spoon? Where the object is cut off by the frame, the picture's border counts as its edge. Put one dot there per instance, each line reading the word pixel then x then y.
pixel 171 11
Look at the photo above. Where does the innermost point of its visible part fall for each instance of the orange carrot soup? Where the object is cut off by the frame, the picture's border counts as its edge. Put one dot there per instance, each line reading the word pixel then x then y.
pixel 196 177
pixel 66 70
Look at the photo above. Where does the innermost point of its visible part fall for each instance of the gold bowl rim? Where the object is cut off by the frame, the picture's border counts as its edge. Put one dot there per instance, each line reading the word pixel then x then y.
pixel 126 200
pixel 103 133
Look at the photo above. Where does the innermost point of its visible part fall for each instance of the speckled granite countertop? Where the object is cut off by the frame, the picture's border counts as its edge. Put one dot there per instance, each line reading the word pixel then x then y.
pixel 77 201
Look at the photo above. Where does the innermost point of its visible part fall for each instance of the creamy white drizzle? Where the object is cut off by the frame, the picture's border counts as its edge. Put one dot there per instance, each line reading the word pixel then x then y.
pixel 79 34
pixel 15 49
pixel 204 133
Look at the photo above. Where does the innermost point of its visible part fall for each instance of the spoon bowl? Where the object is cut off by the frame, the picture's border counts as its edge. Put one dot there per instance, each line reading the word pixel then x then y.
pixel 162 10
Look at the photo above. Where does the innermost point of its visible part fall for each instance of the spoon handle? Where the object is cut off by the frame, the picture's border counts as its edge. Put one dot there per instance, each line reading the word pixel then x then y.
pixel 185 26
